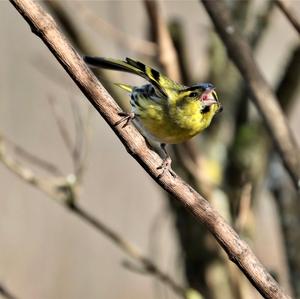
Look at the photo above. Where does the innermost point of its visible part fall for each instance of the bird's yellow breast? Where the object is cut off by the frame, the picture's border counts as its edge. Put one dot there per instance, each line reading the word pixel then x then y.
pixel 174 123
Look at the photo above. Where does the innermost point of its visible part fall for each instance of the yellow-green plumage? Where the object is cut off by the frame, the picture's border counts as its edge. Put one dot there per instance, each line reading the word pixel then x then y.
pixel 174 123
pixel 168 111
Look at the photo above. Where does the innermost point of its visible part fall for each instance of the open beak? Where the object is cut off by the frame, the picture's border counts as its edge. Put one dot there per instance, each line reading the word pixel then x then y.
pixel 209 97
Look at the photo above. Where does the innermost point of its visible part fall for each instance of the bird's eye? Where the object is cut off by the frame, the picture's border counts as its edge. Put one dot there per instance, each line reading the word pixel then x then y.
pixel 193 94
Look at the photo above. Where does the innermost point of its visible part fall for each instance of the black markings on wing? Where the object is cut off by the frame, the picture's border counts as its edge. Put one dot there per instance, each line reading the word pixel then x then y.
pixel 137 64
pixel 152 75
pixel 140 95
pixel 155 74
pixel 135 100
pixel 160 82
pixel 135 97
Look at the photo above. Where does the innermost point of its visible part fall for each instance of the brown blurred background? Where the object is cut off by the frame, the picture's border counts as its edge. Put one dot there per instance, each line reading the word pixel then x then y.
pixel 46 251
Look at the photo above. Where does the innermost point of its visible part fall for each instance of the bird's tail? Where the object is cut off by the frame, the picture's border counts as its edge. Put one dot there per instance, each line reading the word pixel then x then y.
pixel 135 67
pixel 129 65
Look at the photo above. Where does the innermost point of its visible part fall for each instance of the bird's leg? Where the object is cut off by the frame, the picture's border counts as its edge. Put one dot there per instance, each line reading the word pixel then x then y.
pixel 166 164
pixel 126 118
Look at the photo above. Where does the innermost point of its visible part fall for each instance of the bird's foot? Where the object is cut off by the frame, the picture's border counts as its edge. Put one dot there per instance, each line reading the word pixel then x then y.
pixel 126 118
pixel 166 166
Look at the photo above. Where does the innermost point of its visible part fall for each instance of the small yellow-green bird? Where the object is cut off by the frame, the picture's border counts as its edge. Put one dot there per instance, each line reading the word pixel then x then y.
pixel 166 111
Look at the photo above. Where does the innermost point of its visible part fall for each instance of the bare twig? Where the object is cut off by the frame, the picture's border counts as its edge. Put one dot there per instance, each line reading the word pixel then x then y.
pixel 79 153
pixel 148 266
pixel 5 293
pixel 244 208
pixel 238 251
pixel 289 13
pixel 166 51
pixel 48 185
pixel 77 148
pixel 30 157
pixel 133 267
pixel 62 127
pixel 261 93
pixel 63 191
pixel 288 85
pixel 82 43
pixel 143 47
pixel 85 135
pixel 262 23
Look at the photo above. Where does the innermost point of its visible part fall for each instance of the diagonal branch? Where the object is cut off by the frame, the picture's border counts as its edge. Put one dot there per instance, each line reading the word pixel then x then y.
pixel 260 91
pixel 147 265
pixel 63 191
pixel 49 186
pixel 30 157
pixel 289 13
pixel 238 251
pixel 5 293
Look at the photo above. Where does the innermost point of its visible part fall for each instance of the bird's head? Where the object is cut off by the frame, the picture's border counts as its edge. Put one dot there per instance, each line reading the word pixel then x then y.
pixel 204 93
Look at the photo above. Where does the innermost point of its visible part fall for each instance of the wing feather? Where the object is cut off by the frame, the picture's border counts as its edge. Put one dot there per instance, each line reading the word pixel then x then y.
pixel 162 83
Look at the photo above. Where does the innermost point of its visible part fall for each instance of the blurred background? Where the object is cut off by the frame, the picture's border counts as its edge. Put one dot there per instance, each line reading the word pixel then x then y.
pixel 55 148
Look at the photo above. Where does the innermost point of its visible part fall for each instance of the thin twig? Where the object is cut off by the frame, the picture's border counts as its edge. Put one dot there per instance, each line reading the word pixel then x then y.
pixel 261 93
pixel 262 23
pixel 244 207
pixel 289 13
pixel 148 266
pixel 63 191
pixel 166 51
pixel 46 185
pixel 238 251
pixel 78 148
pixel 83 44
pixel 5 293
pixel 78 151
pixel 140 46
pixel 80 166
pixel 289 82
pixel 30 157
pixel 61 124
